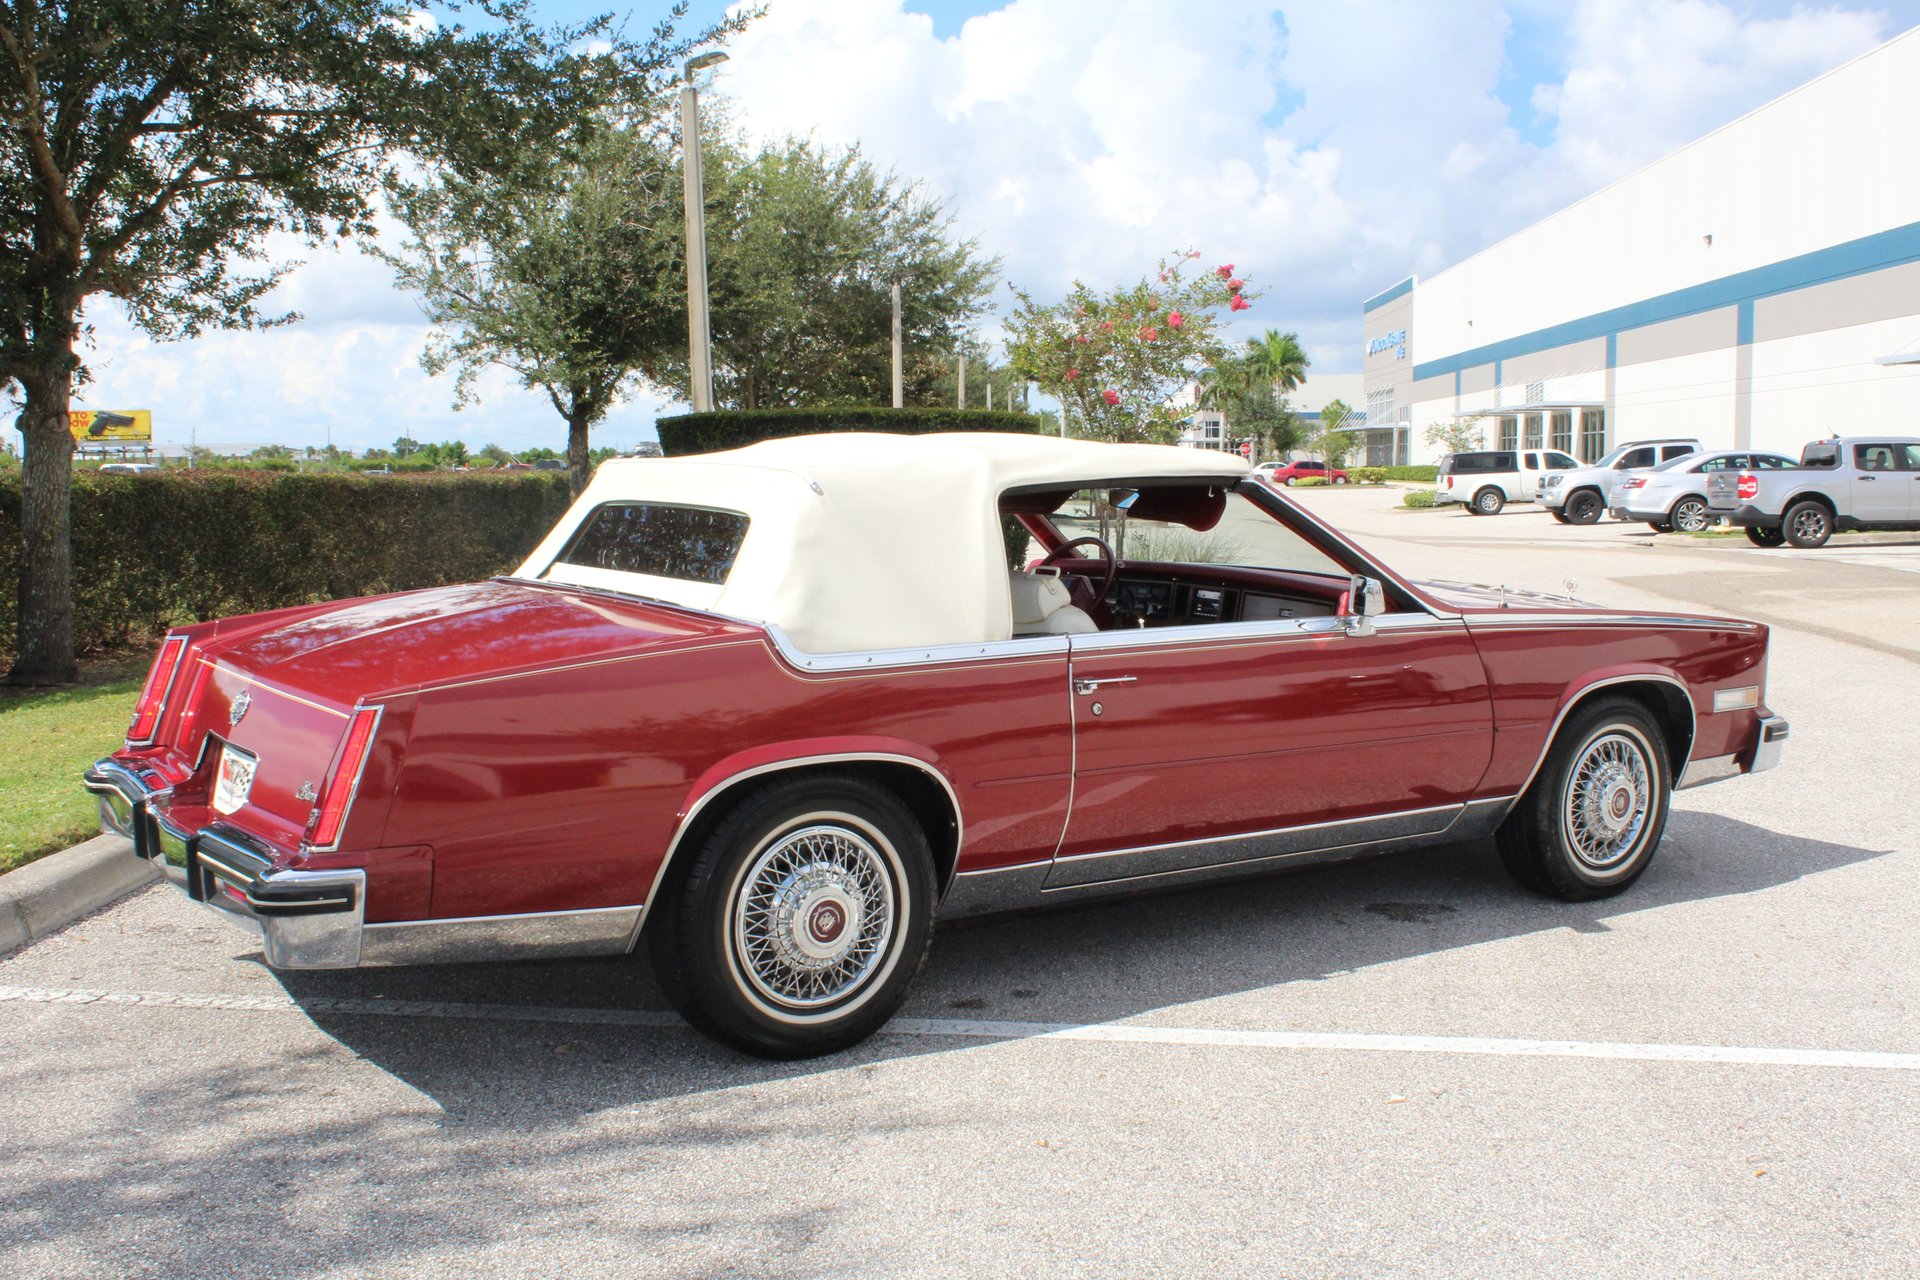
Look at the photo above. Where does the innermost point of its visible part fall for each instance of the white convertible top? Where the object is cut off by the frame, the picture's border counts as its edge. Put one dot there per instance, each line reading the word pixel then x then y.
pixel 863 540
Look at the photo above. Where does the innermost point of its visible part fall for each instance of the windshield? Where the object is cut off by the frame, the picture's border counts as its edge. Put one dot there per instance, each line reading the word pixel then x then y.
pixel 1244 535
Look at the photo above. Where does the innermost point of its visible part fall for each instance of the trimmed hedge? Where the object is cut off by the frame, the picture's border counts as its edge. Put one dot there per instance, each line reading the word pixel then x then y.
pixel 1424 475
pixel 1419 499
pixel 731 429
pixel 179 546
pixel 1367 475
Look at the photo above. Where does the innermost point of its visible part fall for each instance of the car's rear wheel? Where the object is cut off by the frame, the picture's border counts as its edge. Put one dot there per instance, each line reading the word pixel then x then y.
pixel 1588 826
pixel 1690 515
pixel 1660 526
pixel 1807 524
pixel 802 920
pixel 1583 507
pixel 1765 537
pixel 1488 502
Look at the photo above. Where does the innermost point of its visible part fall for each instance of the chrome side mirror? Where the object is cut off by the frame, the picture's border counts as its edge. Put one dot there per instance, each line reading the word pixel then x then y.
pixel 1366 599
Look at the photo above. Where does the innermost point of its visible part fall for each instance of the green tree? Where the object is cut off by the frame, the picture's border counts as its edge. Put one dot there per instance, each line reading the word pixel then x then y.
pixel 405 446
pixel 1456 435
pixel 1113 360
pixel 805 244
pixel 149 148
pixel 1333 441
pixel 1278 360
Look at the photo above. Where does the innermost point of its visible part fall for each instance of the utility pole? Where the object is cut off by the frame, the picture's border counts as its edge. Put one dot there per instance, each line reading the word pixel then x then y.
pixel 989 393
pixel 899 398
pixel 699 331
pixel 963 380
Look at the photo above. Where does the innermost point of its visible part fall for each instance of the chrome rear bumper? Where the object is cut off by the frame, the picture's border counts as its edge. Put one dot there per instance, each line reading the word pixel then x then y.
pixel 1763 755
pixel 305 919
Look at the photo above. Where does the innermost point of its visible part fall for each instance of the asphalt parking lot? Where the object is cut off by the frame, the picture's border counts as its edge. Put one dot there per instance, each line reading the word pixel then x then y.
pixel 1404 1067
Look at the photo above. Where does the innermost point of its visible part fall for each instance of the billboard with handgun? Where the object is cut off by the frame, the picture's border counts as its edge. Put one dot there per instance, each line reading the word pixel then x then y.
pixel 111 426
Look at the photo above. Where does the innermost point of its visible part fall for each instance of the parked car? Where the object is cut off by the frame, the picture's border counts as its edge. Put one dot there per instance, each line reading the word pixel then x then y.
pixel 1854 482
pixel 1285 473
pixel 1488 479
pixel 128 468
pixel 767 713
pixel 1579 496
pixel 549 464
pixel 1673 495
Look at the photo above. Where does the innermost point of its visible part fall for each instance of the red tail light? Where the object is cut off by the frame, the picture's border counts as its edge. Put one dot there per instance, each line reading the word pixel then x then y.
pixel 153 695
pixel 345 779
pixel 1633 484
pixel 1749 486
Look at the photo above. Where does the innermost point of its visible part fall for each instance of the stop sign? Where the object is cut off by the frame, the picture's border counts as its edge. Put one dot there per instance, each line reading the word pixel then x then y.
pixel 1246 448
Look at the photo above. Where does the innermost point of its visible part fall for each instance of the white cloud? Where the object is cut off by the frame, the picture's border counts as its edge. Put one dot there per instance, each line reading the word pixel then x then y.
pixel 1326 149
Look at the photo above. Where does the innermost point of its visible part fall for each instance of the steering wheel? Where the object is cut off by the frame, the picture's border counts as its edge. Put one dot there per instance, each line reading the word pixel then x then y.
pixel 1059 553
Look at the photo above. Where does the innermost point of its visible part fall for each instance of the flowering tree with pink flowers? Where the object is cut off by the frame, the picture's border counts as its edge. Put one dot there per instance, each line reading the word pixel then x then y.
pixel 1114 359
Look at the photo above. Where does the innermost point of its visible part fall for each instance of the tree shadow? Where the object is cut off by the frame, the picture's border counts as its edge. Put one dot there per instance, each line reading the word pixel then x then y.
pixel 1096 962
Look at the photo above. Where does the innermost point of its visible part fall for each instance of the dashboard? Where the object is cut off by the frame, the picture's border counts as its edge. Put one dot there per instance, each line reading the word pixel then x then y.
pixel 1162 602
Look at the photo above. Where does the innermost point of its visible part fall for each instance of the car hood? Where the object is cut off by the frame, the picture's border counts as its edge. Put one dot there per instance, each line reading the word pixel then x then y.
pixel 382 645
pixel 1480 595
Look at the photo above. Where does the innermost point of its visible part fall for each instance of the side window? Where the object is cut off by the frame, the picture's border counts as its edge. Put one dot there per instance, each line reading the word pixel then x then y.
pixel 1873 457
pixel 1672 451
pixel 1635 458
pixel 1532 461
pixel 1771 462
pixel 1560 462
pixel 1912 452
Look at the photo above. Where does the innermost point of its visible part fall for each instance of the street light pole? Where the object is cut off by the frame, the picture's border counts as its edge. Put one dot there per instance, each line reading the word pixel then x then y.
pixel 899 399
pixel 699 331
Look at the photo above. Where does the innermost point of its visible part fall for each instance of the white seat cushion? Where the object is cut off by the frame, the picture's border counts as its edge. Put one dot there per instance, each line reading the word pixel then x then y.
pixel 1042 606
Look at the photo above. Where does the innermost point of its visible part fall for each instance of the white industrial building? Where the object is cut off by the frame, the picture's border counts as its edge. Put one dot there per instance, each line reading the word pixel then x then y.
pixel 1758 288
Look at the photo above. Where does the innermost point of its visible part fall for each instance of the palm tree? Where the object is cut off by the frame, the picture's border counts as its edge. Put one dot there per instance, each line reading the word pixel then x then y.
pixel 1278 360
pixel 1228 380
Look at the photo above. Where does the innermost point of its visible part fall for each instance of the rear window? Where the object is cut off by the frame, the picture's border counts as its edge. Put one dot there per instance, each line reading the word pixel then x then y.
pixel 1469 463
pixel 692 544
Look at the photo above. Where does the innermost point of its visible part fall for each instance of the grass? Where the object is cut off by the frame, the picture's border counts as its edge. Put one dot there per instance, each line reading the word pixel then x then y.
pixel 49 737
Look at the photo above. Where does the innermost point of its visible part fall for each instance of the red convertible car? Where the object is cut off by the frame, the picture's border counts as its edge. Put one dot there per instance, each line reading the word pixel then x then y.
pixel 768 713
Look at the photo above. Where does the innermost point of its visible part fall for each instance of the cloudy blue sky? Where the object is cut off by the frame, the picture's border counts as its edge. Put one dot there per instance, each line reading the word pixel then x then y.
pixel 1326 148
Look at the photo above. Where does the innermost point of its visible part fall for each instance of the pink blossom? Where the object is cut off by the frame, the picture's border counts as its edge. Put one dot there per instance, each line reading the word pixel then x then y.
pixel 1236 285
pixel 1072 374
pixel 1149 333
pixel 1175 319
pixel 1111 397
pixel 1193 253
pixel 1163 277
pixel 1224 272
pixel 1106 326
pixel 1083 339
pixel 1239 303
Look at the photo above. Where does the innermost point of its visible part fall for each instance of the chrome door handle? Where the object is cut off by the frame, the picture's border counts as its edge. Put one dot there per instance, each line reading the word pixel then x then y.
pixel 1088 686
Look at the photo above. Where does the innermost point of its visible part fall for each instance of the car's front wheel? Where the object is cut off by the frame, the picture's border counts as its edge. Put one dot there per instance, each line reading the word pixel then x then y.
pixel 1765 537
pixel 1559 515
pixel 1807 524
pixel 1690 515
pixel 1584 507
pixel 1488 502
pixel 1588 825
pixel 802 919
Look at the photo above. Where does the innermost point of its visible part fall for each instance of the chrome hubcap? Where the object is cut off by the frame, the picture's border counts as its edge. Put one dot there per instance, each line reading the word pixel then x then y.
pixel 1808 524
pixel 1609 799
pixel 813 916
pixel 1690 518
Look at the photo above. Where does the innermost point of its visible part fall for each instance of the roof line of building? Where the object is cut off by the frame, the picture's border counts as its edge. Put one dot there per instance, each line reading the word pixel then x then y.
pixel 1385 296
pixel 1836 262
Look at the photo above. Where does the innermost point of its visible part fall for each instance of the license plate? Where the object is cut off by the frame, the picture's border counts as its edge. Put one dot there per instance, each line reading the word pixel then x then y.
pixel 235 779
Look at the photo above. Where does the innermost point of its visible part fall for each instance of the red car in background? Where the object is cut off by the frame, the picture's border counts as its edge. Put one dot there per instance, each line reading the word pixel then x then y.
pixel 764 715
pixel 1285 473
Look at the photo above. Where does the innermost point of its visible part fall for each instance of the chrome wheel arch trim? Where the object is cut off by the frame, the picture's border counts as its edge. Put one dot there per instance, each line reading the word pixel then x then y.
pixel 789 765
pixel 1574 700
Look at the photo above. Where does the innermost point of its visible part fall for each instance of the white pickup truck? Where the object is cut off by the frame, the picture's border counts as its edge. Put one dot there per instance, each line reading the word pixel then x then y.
pixel 1854 482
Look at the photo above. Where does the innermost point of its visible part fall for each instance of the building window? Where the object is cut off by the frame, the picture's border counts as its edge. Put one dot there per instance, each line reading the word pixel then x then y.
pixel 1593 434
pixel 1534 439
pixel 1402 446
pixel 1380 406
pixel 1536 392
pixel 1509 433
pixel 1563 430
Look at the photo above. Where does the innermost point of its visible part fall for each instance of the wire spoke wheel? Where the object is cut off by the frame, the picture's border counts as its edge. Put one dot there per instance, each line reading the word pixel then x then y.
pixel 815 915
pixel 1608 799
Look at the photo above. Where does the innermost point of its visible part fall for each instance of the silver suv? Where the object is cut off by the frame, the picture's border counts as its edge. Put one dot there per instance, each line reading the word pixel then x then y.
pixel 1488 479
pixel 1580 496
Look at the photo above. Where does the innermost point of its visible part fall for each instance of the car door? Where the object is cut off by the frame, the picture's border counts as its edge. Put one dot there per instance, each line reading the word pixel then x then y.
pixel 1910 462
pixel 1198 746
pixel 1879 487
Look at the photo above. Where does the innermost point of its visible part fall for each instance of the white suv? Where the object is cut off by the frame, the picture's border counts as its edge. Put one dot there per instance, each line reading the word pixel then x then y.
pixel 1580 496
pixel 1488 479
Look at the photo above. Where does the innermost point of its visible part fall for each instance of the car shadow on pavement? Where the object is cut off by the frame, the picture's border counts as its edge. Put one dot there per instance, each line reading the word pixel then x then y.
pixel 1094 963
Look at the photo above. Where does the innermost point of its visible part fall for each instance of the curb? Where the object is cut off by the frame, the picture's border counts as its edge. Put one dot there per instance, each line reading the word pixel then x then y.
pixel 58 889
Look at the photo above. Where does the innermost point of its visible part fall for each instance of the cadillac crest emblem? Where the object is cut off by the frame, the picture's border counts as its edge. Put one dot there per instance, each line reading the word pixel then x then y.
pixel 240 705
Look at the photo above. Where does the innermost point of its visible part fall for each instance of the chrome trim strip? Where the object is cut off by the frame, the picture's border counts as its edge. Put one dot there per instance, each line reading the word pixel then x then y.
pixel 919 655
pixel 276 690
pixel 541 934
pixel 1513 618
pixel 1260 835
pixel 1699 773
pixel 1693 719
pixel 786 766
pixel 1773 734
pixel 417 690
pixel 1224 633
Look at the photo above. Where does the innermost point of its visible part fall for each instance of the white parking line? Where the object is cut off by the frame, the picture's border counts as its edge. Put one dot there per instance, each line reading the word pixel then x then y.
pixel 957 1028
